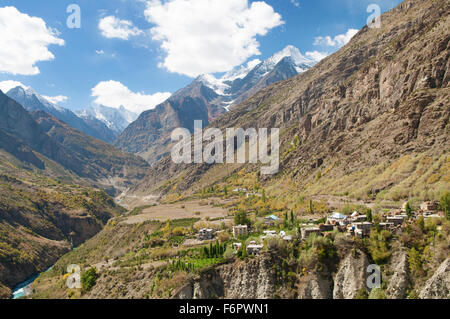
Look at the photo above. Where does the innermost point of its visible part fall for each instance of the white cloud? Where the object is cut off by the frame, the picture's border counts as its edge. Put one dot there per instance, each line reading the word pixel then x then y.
pixel 251 64
pixel 316 55
pixel 5 86
pixel 115 94
pixel 112 27
pixel 24 42
pixel 338 41
pixel 209 36
pixel 100 52
pixel 295 3
pixel 56 99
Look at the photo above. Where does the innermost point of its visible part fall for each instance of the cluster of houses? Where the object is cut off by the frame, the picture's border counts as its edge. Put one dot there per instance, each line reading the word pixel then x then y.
pixel 254 248
pixel 355 224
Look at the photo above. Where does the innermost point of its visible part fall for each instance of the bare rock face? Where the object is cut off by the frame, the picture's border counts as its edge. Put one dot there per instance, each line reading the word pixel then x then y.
pixel 438 286
pixel 398 283
pixel 315 286
pixel 250 279
pixel 253 279
pixel 351 276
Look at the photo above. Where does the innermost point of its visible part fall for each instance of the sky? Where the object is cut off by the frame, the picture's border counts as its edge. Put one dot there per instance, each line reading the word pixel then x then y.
pixel 136 53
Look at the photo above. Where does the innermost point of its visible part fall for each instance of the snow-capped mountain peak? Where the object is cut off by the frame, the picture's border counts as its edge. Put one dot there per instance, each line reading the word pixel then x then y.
pixel 254 71
pixel 115 119
pixel 290 51
pixel 27 93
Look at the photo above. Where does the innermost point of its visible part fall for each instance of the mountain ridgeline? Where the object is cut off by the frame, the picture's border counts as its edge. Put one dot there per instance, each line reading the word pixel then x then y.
pixel 206 98
pixel 37 137
pixel 370 121
pixel 32 101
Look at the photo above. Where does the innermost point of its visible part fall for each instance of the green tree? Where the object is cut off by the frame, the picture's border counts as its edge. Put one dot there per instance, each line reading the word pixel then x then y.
pixel 89 279
pixel 292 217
pixel 408 210
pixel 311 209
pixel 444 204
pixel 415 262
pixel 369 215
pixel 421 223
pixel 241 219
pixel 263 196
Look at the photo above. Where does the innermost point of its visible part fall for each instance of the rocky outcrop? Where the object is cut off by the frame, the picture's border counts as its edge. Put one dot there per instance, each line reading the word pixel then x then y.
pixel 398 282
pixel 316 286
pixel 250 279
pixel 351 275
pixel 254 279
pixel 438 286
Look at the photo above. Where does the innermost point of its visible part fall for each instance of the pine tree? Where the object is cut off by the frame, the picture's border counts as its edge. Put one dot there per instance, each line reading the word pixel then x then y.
pixel 408 210
pixel 369 215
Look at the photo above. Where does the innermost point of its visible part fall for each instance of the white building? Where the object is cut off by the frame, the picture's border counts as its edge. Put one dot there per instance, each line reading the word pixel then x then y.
pixel 337 218
pixel 205 234
pixel 240 230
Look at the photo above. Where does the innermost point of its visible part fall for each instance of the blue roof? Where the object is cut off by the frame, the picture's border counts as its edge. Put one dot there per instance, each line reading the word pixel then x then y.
pixel 273 217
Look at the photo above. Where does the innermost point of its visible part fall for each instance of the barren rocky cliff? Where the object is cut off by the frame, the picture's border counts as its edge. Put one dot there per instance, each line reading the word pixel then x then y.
pixel 256 279
pixel 382 98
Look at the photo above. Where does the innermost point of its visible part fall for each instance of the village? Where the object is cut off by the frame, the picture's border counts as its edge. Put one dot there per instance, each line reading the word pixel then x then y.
pixel 357 225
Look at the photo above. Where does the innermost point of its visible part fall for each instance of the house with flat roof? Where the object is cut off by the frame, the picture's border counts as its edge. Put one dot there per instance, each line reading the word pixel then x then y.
pixel 362 229
pixel 240 230
pixel 205 234
pixel 310 230
pixel 429 206
pixel 396 220
pixel 337 218
pixel 254 249
pixel 270 220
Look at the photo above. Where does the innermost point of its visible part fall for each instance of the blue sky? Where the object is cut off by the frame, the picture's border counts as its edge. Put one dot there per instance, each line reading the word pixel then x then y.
pixel 145 50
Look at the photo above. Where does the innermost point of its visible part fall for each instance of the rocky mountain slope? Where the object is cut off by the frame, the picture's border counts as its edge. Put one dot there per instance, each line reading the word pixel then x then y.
pixel 32 101
pixel 370 121
pixel 42 218
pixel 206 99
pixel 29 139
pixel 100 161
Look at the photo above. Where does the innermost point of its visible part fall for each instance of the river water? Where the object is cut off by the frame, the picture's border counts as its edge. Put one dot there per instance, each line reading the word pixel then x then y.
pixel 24 289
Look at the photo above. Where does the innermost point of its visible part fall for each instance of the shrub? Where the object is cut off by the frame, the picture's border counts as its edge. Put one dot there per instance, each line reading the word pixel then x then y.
pixel 223 237
pixel 415 263
pixel 89 279
pixel 362 294
pixel 444 204
pixel 377 293
pixel 178 231
pixel 379 246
